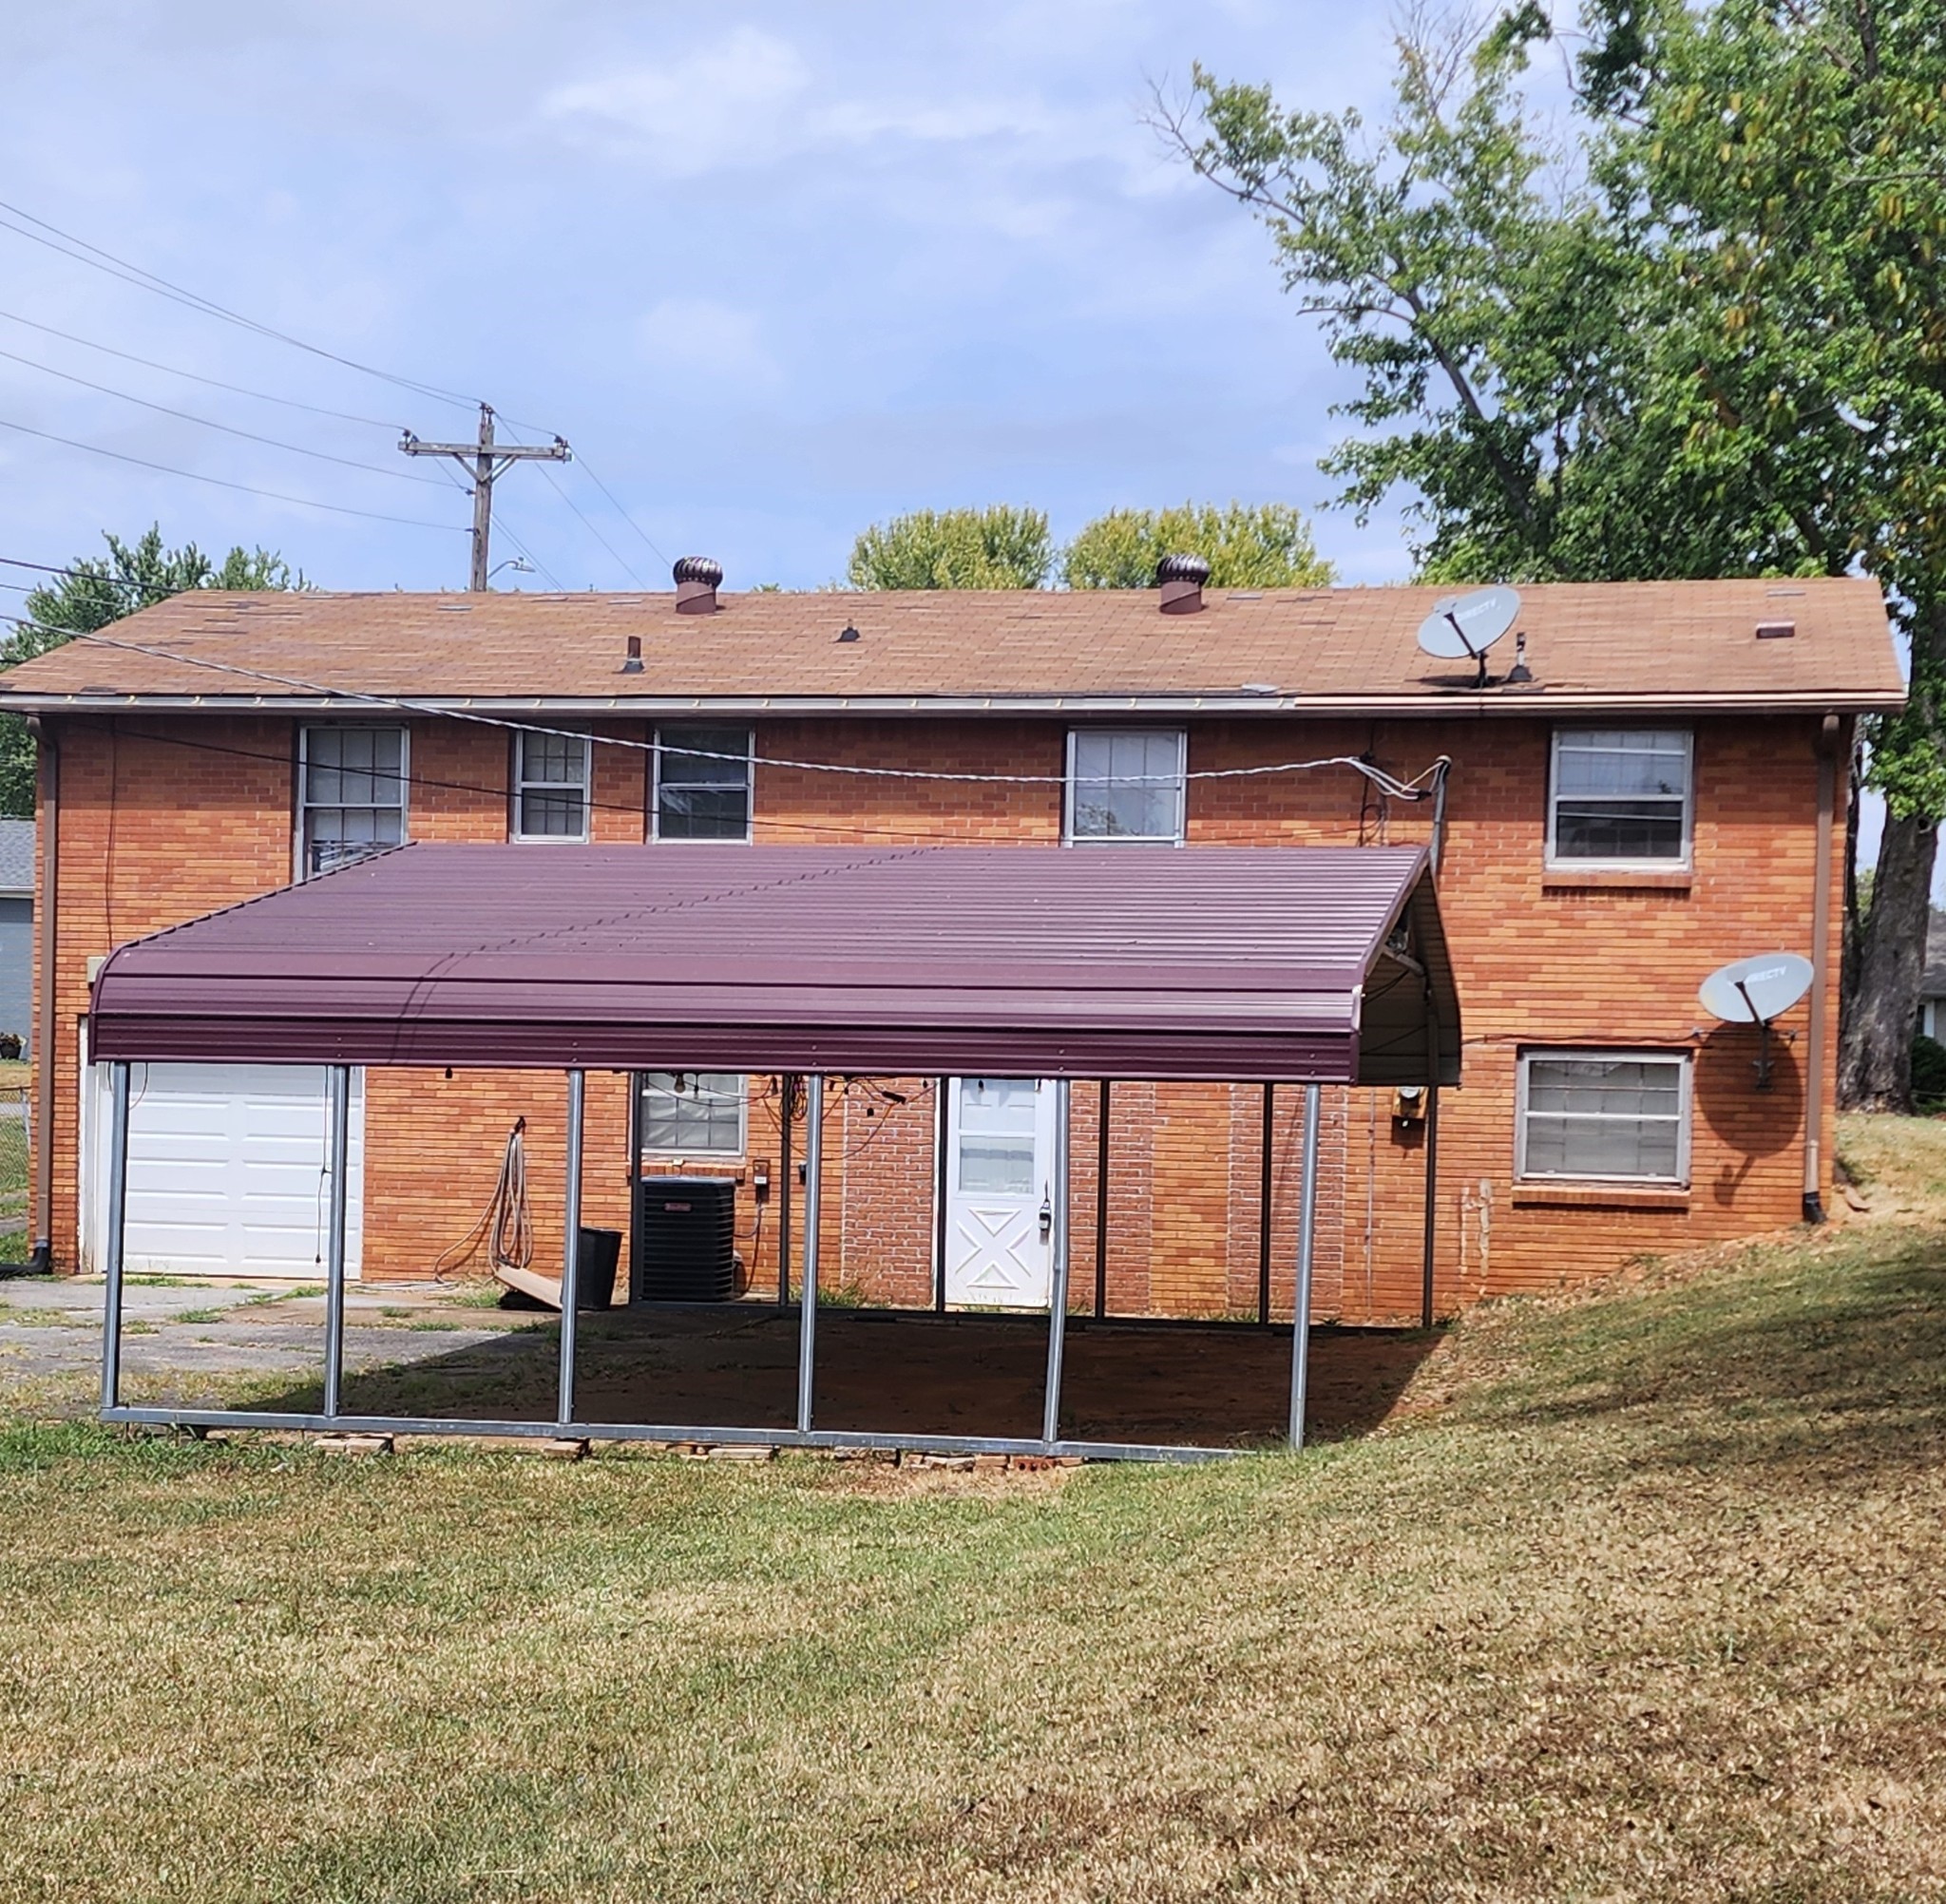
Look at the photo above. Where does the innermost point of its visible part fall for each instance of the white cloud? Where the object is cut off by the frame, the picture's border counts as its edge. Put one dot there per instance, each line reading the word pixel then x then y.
pixel 722 105
pixel 710 340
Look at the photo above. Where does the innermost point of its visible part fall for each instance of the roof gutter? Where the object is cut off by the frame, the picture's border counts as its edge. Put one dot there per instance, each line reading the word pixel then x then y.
pixel 1522 704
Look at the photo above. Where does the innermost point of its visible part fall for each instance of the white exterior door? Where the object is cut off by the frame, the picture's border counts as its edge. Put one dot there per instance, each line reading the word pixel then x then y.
pixel 228 1171
pixel 1000 1193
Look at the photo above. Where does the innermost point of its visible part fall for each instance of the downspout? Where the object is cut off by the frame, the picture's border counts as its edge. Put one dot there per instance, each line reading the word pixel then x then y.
pixel 1820 968
pixel 42 1262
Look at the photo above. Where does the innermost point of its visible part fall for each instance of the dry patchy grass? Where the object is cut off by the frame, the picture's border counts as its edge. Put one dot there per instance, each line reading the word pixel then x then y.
pixel 1648 1607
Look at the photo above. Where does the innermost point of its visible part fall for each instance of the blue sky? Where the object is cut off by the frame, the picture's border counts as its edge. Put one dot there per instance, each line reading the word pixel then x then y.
pixel 776 271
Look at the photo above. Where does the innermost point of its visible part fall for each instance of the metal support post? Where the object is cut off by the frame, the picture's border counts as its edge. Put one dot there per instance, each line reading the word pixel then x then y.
pixel 1263 1190
pixel 1432 1203
pixel 340 1154
pixel 571 1244
pixel 1301 1311
pixel 1058 1294
pixel 813 1183
pixel 1102 1208
pixel 111 1255
pixel 784 1086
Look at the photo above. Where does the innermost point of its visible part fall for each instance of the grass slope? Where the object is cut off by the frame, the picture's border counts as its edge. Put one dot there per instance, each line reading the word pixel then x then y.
pixel 1640 1599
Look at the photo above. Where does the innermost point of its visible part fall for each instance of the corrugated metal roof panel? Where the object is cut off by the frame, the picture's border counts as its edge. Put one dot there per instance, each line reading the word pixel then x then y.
pixel 1220 962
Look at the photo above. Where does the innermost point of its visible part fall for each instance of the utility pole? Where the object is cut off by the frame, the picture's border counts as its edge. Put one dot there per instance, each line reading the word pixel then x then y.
pixel 487 460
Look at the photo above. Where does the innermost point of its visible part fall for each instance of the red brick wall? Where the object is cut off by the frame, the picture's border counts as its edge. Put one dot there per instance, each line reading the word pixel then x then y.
pixel 165 819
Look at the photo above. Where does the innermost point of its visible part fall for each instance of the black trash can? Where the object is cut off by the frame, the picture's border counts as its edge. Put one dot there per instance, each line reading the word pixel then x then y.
pixel 600 1251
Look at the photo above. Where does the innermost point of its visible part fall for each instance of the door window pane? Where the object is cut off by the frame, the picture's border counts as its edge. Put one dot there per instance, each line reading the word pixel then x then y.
pixel 1126 786
pixel 996 1136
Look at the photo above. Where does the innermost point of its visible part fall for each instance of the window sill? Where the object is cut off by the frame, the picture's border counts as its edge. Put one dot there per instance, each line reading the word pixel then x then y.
pixel 1641 878
pixel 701 1166
pixel 1600 1196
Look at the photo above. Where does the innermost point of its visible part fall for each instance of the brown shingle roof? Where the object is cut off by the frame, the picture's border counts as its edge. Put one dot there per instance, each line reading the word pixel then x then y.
pixel 1607 644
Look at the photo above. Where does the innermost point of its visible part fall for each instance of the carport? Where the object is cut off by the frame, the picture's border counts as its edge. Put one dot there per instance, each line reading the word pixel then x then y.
pixel 1305 966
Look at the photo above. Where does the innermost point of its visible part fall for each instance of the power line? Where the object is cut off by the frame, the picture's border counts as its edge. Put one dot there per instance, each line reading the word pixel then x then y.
pixel 616 501
pixel 147 280
pixel 1415 789
pixel 196 376
pixel 223 483
pixel 210 423
pixel 621 559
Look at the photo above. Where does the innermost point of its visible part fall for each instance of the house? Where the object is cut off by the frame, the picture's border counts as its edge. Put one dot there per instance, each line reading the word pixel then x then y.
pixel 1656 798
pixel 1933 980
pixel 17 929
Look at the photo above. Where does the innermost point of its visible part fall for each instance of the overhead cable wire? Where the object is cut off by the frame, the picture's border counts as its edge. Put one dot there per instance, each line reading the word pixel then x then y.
pixel 622 561
pixel 93 256
pixel 223 483
pixel 198 377
pixel 1418 787
pixel 615 502
pixel 228 429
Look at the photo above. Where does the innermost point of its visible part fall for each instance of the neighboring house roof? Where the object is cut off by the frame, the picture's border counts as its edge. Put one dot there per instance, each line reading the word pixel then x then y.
pixel 1228 962
pixel 1591 647
pixel 16 859
pixel 1933 980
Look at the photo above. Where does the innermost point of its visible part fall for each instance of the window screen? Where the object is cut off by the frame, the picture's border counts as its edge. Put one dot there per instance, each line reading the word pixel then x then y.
pixel 551 789
pixel 1126 786
pixel 1601 1115
pixel 354 794
pixel 702 783
pixel 1621 794
pixel 692 1114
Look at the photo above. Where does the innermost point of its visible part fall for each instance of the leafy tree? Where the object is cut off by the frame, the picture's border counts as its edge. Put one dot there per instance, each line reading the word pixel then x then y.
pixel 96 590
pixel 1708 338
pixel 997 547
pixel 1265 547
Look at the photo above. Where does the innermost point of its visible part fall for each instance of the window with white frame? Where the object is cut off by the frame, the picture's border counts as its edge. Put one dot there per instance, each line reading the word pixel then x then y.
pixel 354 794
pixel 1620 796
pixel 692 1114
pixel 550 795
pixel 1615 1115
pixel 1125 786
pixel 702 783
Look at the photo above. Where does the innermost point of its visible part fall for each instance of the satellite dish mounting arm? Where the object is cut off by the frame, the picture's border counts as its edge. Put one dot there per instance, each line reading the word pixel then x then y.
pixel 1763 1024
pixel 1477 654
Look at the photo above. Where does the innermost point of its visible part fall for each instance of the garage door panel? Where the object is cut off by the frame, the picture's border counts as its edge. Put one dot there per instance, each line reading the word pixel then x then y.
pixel 228 1170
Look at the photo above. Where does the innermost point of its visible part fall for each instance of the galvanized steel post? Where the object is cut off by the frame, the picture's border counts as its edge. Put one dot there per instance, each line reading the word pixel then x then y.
pixel 1301 1309
pixel 571 1245
pixel 339 1154
pixel 111 1252
pixel 813 1183
pixel 1058 1293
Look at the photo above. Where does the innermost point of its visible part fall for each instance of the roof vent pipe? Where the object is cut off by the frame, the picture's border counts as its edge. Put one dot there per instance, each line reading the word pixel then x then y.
pixel 1181 579
pixel 697 580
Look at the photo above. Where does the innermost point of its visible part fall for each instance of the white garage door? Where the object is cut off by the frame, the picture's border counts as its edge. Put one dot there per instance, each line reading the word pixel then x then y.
pixel 228 1170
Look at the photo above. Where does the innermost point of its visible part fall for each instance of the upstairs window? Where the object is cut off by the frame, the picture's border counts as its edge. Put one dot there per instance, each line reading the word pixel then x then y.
pixel 702 783
pixel 550 796
pixel 1617 1114
pixel 1125 786
pixel 354 794
pixel 1621 796
pixel 692 1114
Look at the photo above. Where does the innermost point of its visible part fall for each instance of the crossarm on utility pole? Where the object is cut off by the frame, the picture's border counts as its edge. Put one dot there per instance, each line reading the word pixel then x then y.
pixel 487 460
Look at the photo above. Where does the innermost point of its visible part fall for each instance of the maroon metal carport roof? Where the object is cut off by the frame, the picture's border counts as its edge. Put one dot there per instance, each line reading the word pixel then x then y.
pixel 1307 963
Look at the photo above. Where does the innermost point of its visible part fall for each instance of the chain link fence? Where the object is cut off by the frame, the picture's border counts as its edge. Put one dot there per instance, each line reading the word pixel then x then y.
pixel 16 1133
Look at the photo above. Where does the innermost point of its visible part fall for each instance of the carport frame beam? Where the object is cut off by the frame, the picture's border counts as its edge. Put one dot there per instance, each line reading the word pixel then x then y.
pixel 338 1096
pixel 1301 1305
pixel 813 1185
pixel 111 1252
pixel 571 1244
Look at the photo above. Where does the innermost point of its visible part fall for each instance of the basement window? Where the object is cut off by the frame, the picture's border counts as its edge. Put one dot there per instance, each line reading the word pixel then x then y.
pixel 353 784
pixel 692 1114
pixel 1620 797
pixel 1125 786
pixel 702 788
pixel 1617 1117
pixel 551 780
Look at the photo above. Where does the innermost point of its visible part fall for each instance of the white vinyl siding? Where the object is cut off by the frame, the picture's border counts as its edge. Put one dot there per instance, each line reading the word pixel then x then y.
pixel 1607 1115
pixel 703 781
pixel 551 776
pixel 692 1114
pixel 1620 796
pixel 353 801
pixel 1125 786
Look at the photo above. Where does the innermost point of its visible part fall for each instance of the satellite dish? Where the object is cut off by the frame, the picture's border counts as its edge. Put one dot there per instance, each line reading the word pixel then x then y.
pixel 1754 991
pixel 1464 627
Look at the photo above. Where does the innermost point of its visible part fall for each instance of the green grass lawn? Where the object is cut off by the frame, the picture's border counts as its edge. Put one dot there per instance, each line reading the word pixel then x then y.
pixel 1640 1597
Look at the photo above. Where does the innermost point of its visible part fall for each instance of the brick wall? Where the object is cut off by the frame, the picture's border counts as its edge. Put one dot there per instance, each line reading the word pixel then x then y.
pixel 167 818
